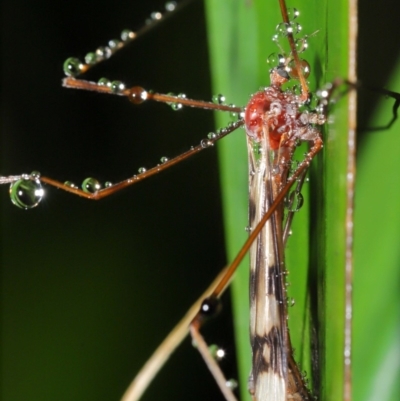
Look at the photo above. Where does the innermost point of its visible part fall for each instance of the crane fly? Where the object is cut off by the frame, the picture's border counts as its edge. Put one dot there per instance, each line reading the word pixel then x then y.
pixel 286 121
pixel 274 400
pixel 293 128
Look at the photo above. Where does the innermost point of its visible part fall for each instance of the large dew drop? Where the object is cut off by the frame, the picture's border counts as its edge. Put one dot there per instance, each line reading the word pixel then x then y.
pixel 170 6
pixel 218 99
pixel 26 193
pixel 72 67
pixel 293 13
pixel 304 66
pixel 127 35
pixel 295 201
pixel 117 86
pixel 137 95
pixel 91 185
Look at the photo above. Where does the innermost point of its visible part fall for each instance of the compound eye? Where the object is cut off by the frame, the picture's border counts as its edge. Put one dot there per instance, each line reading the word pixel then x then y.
pixel 281 70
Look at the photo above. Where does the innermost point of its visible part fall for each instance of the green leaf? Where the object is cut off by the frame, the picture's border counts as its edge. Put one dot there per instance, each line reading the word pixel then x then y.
pixel 239 42
pixel 376 276
pixel 316 252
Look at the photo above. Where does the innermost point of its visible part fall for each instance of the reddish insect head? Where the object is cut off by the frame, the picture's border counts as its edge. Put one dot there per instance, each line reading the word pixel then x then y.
pixel 272 112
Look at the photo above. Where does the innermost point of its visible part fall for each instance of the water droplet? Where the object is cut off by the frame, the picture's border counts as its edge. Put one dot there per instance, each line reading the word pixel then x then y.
pixel 35 174
pixel 295 28
pixel 103 52
pixel 70 184
pixel 211 135
pixel 127 35
pixel 156 16
pixel 305 68
pixel 232 384
pixel 283 29
pixel 91 58
pixel 275 39
pixel 117 86
pixel 115 44
pixel 323 93
pixel 320 109
pixel 142 170
pixel 26 193
pixel 176 106
pixel 170 6
pixel 104 82
pixel 108 184
pixel 248 229
pixel 301 44
pixel 275 169
pixel 72 67
pixel 91 185
pixel 217 352
pixel 293 13
pixel 233 114
pixel 218 99
pixel 295 201
pixel 275 59
pixel 304 117
pixel 164 159
pixel 137 95
pixel 206 143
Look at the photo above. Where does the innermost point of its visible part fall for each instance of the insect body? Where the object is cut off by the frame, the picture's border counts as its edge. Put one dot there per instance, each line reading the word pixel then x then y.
pixel 274 125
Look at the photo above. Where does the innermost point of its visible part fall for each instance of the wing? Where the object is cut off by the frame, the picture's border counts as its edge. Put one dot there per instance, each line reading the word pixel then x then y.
pixel 268 380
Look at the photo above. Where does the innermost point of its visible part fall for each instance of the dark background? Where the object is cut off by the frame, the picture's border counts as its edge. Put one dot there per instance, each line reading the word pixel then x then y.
pixel 90 289
pixel 378 52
